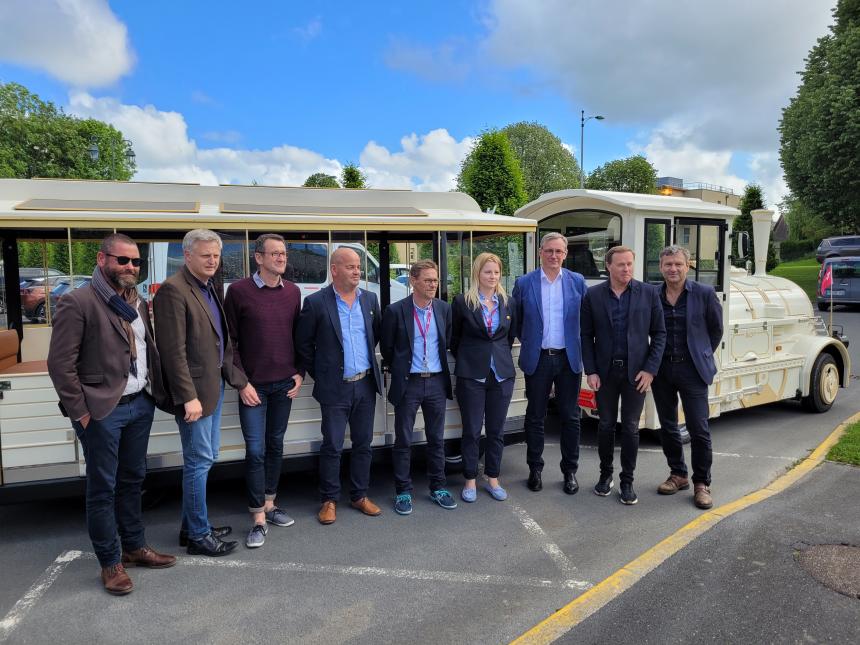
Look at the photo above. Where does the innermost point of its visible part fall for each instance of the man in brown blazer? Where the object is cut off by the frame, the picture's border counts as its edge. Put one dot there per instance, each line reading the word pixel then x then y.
pixel 194 342
pixel 105 367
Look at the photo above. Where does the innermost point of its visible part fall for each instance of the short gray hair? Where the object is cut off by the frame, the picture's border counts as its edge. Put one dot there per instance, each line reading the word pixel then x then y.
pixel 549 237
pixel 674 249
pixel 200 235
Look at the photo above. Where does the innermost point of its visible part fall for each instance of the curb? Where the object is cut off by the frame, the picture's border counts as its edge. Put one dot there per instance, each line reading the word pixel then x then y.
pixel 583 606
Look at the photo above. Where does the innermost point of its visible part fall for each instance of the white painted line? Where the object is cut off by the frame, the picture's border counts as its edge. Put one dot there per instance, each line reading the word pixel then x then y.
pixel 35 592
pixel 549 547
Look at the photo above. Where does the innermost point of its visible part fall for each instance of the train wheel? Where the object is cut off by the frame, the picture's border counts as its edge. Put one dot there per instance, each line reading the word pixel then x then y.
pixel 823 384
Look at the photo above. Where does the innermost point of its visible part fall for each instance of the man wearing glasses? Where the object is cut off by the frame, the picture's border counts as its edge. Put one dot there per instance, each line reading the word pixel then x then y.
pixel 548 301
pixel 416 332
pixel 261 314
pixel 106 370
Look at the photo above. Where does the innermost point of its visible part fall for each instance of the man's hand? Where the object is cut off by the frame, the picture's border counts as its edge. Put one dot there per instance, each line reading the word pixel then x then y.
pixel 249 396
pixel 85 420
pixel 643 380
pixel 193 410
pixel 294 391
pixel 593 381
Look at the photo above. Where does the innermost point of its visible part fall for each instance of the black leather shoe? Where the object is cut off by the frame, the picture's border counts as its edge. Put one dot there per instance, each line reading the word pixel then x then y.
pixel 211 546
pixel 215 531
pixel 570 484
pixel 534 483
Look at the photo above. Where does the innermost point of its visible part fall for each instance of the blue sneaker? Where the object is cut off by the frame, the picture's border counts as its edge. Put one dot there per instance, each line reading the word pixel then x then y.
pixel 443 498
pixel 499 494
pixel 469 495
pixel 403 504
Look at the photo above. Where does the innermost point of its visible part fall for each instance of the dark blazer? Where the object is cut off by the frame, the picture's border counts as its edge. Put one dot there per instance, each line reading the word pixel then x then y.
pixel 319 342
pixel 472 346
pixel 527 294
pixel 90 355
pixel 188 342
pixel 704 327
pixel 644 320
pixel 398 336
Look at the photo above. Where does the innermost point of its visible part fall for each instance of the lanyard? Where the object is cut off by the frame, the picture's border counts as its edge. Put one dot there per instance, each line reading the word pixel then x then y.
pixel 488 319
pixel 423 330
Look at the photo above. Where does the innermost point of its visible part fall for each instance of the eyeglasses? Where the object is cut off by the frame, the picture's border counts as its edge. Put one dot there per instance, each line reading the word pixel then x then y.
pixel 553 251
pixel 122 260
pixel 275 254
pixel 429 282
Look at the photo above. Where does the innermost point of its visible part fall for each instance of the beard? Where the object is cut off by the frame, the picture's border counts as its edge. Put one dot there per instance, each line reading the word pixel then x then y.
pixel 121 279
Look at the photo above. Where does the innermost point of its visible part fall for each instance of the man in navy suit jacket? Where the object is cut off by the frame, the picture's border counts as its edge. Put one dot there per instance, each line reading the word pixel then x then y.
pixel 336 339
pixel 548 303
pixel 694 329
pixel 623 335
pixel 416 332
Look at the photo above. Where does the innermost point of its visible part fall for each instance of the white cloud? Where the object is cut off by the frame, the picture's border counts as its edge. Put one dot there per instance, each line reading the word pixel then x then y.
pixel 310 30
pixel 165 152
pixel 80 42
pixel 223 136
pixel 444 62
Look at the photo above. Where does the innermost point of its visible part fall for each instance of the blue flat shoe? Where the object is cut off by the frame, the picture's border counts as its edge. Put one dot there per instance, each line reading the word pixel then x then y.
pixel 499 494
pixel 469 495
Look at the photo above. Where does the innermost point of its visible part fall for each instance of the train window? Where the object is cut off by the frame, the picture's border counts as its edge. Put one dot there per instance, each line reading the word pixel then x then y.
pixel 589 235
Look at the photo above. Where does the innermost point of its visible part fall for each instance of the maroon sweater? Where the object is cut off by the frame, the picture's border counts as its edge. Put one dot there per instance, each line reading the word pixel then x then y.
pixel 262 322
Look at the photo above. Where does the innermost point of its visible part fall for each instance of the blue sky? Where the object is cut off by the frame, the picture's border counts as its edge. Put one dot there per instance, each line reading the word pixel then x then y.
pixel 272 91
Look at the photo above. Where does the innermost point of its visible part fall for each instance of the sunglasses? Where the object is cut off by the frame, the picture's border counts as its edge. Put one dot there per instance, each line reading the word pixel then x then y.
pixel 122 260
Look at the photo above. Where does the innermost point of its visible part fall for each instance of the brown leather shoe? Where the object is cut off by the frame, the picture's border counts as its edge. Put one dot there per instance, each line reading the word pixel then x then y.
pixel 673 484
pixel 147 557
pixel 116 580
pixel 327 514
pixel 702 496
pixel 366 506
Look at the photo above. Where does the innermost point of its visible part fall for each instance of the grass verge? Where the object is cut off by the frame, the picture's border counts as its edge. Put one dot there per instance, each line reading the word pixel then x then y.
pixel 847 449
pixel 804 273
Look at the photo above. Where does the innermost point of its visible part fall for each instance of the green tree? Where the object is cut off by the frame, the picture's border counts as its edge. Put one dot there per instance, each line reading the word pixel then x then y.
pixel 491 174
pixel 352 177
pixel 321 180
pixel 40 140
pixel 820 128
pixel 752 199
pixel 631 175
pixel 803 222
pixel 546 164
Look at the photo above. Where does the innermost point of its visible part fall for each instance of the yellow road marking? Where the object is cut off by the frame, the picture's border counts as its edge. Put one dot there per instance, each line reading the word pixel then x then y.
pixel 584 605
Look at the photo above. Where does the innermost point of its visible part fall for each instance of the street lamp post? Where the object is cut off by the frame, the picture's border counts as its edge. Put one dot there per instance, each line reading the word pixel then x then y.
pixel 582 144
pixel 93 151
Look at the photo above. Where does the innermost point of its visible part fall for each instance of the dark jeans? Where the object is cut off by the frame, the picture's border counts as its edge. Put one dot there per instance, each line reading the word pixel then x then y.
pixel 357 407
pixel 617 386
pixel 115 452
pixel 263 427
pixel 553 369
pixel 429 394
pixel 682 378
pixel 483 404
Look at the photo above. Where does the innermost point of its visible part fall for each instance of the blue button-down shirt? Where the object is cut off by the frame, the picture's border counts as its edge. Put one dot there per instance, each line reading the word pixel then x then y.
pixel 620 310
pixel 494 325
pixel 552 307
pixel 355 355
pixel 425 356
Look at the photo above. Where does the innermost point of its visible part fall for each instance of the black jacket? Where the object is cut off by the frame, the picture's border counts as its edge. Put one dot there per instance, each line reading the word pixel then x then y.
pixel 473 347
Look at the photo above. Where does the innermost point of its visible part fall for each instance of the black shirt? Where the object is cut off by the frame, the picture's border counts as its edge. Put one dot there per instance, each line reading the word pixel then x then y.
pixel 676 324
pixel 620 311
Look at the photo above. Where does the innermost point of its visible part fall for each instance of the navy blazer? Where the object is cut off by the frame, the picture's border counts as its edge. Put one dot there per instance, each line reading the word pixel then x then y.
pixel 319 342
pixel 704 327
pixel 644 320
pixel 472 346
pixel 527 294
pixel 397 341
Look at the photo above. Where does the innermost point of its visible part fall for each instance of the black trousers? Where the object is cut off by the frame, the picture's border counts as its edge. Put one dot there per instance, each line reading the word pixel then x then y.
pixel 672 380
pixel 612 389
pixel 483 404
pixel 553 369
pixel 429 395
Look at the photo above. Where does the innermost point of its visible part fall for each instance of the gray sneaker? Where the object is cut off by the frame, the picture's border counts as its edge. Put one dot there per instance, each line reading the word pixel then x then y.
pixel 256 536
pixel 277 517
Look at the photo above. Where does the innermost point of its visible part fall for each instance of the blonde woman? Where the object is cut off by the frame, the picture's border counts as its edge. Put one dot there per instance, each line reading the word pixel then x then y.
pixel 482 336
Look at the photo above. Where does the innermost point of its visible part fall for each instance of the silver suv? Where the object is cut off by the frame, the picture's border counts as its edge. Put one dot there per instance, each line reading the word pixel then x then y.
pixel 832 247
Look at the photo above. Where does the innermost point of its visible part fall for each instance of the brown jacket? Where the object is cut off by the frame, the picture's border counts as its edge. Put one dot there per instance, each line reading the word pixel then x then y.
pixel 90 355
pixel 188 343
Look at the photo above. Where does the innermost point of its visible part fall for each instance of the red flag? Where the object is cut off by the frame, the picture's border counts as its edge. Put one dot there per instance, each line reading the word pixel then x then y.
pixel 827 280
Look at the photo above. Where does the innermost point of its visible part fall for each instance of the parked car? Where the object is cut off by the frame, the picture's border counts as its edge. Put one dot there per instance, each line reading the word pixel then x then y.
pixel 33 292
pixel 831 247
pixel 839 282
pixel 64 286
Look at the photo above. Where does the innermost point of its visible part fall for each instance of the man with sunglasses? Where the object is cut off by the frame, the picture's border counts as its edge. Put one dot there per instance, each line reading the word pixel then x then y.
pixel 106 370
pixel 261 314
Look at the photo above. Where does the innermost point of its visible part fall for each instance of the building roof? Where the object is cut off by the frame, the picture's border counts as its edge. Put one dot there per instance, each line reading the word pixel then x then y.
pixel 633 201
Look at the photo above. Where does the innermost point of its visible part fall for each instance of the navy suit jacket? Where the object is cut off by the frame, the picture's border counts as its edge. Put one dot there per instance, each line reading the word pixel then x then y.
pixel 644 320
pixel 527 294
pixel 319 342
pixel 704 327
pixel 472 346
pixel 398 336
